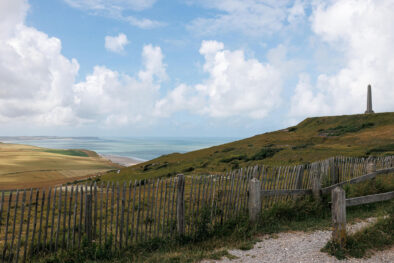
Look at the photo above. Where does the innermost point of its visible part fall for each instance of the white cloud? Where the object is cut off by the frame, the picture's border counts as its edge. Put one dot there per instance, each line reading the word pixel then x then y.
pixel 111 5
pixel 143 23
pixel 37 83
pixel 116 43
pixel 115 9
pixel 251 17
pixel 112 98
pixel 35 78
pixel 363 32
pixel 236 86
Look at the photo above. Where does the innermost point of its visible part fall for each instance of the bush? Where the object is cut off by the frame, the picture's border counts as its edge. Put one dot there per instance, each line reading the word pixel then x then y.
pixel 232 158
pixel 265 152
pixel 341 129
pixel 190 169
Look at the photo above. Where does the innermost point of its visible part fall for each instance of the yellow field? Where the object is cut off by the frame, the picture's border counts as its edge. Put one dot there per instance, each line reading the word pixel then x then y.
pixel 29 166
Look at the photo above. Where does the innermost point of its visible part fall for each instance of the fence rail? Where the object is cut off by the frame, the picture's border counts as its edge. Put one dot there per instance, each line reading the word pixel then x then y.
pixel 44 220
pixel 369 199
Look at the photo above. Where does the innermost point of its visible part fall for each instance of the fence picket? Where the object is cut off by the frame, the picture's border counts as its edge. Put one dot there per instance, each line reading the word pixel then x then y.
pixel 40 221
pixel 1 209
pixel 6 226
pixel 34 225
pixel 52 220
pixel 14 225
pixel 74 217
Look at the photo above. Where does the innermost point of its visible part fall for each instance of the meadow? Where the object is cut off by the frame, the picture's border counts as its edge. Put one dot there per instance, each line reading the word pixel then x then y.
pixel 311 140
pixel 23 166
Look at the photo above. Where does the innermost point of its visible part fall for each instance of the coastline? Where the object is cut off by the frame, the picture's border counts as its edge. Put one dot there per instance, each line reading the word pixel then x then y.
pixel 122 160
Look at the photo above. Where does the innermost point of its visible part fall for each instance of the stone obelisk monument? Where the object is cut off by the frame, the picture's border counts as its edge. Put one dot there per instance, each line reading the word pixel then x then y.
pixel 369 101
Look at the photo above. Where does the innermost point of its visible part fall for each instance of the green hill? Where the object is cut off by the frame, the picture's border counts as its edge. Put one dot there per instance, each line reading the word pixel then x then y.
pixel 312 139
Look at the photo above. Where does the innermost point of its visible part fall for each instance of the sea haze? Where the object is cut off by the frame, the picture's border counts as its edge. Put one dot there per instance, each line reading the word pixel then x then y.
pixel 136 148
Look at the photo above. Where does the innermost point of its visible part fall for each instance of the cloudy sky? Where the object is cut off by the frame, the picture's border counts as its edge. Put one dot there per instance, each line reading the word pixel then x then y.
pixel 189 67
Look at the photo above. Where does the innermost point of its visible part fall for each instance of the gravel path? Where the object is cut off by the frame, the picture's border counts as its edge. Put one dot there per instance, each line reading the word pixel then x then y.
pixel 301 247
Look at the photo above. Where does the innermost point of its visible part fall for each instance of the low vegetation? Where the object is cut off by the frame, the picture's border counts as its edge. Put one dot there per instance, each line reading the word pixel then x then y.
pixel 302 214
pixel 311 140
pixel 343 129
pixel 23 166
pixel 68 152
pixel 376 237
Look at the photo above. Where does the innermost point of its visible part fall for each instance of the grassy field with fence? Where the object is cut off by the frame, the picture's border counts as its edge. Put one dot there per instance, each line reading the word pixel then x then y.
pixel 34 221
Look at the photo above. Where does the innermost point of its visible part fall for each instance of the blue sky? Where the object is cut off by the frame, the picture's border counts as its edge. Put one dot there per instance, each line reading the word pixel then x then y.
pixel 189 68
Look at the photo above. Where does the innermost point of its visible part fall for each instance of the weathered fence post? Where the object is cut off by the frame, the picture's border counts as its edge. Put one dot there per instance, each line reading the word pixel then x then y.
pixel 88 216
pixel 338 210
pixel 316 184
pixel 371 166
pixel 180 205
pixel 254 200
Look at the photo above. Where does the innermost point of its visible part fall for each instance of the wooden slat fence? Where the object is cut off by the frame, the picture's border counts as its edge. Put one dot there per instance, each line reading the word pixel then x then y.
pixel 44 220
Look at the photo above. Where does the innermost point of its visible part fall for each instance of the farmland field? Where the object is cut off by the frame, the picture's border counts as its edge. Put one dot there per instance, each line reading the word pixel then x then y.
pixel 23 166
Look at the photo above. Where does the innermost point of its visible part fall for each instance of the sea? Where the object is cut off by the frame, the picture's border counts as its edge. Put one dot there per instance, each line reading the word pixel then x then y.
pixel 137 148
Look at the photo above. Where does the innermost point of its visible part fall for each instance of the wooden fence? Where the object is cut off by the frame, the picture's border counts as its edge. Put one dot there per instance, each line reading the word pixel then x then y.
pixel 44 220
pixel 338 210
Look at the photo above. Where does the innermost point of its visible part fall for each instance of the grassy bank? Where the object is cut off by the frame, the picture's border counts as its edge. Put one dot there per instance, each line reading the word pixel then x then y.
pixel 311 140
pixel 302 214
pixel 374 238
pixel 214 243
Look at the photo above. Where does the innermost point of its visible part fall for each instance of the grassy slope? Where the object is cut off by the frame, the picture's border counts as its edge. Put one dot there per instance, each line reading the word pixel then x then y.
pixel 29 166
pixel 310 140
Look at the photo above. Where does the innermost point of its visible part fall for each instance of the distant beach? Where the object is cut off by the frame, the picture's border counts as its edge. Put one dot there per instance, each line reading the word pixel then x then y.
pixel 125 161
pixel 121 150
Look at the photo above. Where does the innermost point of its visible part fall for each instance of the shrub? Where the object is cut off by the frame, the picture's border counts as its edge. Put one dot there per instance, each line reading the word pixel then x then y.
pixel 265 152
pixel 232 158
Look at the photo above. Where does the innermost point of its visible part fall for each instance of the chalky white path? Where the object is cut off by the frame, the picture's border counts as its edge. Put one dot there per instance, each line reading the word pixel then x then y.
pixel 301 247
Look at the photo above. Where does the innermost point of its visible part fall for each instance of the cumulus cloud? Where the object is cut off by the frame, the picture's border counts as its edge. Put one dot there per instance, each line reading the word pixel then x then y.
pixel 37 82
pixel 35 78
pixel 236 86
pixel 113 98
pixel 251 17
pixel 116 43
pixel 363 33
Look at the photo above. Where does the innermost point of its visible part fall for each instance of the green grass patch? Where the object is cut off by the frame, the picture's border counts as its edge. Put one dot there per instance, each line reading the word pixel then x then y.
pixel 264 153
pixel 389 148
pixel 343 129
pixel 376 237
pixel 68 152
pixel 232 158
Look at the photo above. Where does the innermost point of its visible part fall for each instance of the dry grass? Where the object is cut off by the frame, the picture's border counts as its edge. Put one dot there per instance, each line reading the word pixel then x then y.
pixel 299 144
pixel 30 166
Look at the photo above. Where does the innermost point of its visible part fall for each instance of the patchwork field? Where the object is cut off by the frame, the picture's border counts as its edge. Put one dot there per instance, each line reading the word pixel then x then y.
pixel 23 166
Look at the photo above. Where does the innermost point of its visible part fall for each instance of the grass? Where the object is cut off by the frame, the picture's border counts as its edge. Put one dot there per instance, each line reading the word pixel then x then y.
pixel 214 243
pixel 23 166
pixel 305 142
pixel 343 129
pixel 376 237
pixel 68 152
pixel 303 214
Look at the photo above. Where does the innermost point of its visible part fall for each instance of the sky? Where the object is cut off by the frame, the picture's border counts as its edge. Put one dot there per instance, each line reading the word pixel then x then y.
pixel 208 68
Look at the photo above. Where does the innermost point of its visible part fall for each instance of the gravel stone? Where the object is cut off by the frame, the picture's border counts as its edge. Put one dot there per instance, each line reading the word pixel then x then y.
pixel 301 247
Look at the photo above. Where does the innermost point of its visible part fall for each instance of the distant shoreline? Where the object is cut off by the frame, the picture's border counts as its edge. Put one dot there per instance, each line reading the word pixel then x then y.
pixel 122 160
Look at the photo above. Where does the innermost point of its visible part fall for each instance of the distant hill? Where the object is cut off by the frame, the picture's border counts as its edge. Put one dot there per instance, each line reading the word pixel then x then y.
pixel 25 166
pixel 313 139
